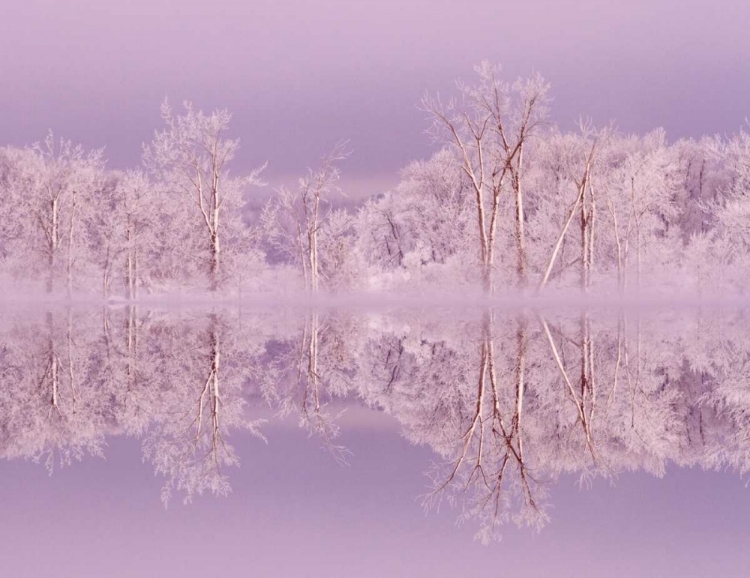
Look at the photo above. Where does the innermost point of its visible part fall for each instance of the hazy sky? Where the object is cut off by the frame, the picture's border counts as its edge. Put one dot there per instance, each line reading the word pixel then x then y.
pixel 298 75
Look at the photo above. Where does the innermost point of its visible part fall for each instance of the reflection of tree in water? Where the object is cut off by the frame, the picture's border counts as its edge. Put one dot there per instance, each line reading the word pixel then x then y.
pixel 205 368
pixel 309 370
pixel 512 403
pixel 462 392
pixel 508 402
pixel 175 380
pixel 51 407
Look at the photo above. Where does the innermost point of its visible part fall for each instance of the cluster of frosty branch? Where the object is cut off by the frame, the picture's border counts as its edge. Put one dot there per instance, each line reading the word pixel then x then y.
pixel 508 403
pixel 508 201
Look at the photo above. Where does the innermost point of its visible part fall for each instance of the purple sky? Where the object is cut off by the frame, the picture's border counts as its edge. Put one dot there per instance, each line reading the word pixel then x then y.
pixel 299 75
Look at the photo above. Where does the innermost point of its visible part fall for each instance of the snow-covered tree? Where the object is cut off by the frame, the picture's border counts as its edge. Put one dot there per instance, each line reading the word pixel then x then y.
pixel 489 126
pixel 47 187
pixel 297 220
pixel 191 157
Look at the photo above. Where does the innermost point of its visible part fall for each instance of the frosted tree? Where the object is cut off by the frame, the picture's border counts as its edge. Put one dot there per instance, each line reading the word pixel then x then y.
pixel 704 176
pixel 101 229
pixel 640 214
pixel 140 215
pixel 718 256
pixel 575 161
pixel 489 126
pixel 294 220
pixel 425 223
pixel 191 155
pixel 49 184
pixel 118 224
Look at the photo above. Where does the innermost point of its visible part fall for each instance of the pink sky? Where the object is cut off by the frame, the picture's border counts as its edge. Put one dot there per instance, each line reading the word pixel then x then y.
pixel 300 75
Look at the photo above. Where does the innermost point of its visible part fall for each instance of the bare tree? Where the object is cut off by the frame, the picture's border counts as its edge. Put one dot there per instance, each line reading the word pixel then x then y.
pixel 489 126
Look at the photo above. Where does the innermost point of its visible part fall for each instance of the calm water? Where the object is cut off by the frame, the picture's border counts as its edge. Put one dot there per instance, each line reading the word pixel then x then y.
pixel 147 441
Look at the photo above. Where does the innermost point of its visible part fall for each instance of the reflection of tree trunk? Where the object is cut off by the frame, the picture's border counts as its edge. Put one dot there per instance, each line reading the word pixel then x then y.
pixel 216 398
pixel 491 443
pixel 71 369
pixel 587 366
pixel 476 427
pixel 209 397
pixel 395 365
pixel 53 367
pixel 312 410
pixel 105 328
pixel 131 342
pixel 618 360
pixel 579 403
pixel 520 375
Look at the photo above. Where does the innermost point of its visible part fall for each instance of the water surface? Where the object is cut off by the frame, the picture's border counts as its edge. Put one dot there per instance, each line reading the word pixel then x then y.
pixel 145 440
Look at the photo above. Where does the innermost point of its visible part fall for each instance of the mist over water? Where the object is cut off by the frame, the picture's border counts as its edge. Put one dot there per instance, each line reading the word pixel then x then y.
pixel 519 423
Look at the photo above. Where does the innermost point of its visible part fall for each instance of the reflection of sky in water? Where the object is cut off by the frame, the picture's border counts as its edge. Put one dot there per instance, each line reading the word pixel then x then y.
pixel 294 511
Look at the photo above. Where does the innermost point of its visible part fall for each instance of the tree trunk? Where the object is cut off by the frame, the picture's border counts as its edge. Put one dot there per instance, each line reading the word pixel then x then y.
pixel 69 264
pixel 215 262
pixel 520 234
pixel 53 241
pixel 584 245
pixel 215 395
pixel 129 263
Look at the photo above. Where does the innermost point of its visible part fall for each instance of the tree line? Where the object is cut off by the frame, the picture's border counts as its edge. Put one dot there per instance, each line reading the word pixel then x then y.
pixel 508 201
